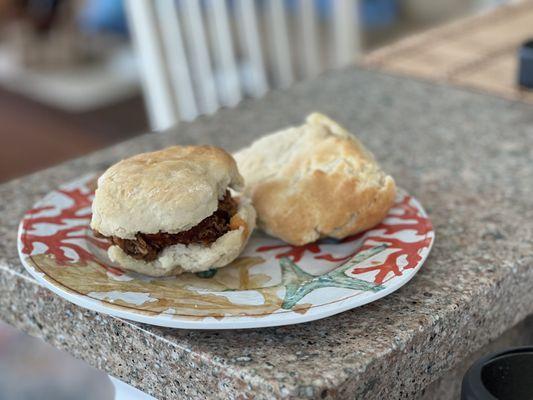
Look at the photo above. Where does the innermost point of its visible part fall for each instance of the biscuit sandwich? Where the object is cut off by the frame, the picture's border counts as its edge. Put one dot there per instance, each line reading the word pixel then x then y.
pixel 171 211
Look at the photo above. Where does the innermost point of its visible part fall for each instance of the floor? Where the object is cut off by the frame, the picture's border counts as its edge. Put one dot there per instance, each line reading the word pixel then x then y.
pixel 31 369
pixel 35 136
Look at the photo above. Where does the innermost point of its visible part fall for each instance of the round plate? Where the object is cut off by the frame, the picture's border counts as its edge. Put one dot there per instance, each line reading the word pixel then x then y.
pixel 270 284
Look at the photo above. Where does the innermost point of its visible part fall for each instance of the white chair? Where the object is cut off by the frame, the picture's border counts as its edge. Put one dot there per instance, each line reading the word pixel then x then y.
pixel 197 56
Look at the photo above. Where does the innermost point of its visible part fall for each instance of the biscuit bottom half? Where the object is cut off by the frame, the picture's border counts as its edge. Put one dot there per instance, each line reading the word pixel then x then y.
pixel 213 243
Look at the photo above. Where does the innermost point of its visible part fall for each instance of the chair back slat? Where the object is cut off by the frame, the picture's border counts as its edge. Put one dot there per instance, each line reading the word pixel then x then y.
pixel 344 27
pixel 204 79
pixel 310 60
pixel 177 63
pixel 155 78
pixel 281 57
pixel 253 67
pixel 223 52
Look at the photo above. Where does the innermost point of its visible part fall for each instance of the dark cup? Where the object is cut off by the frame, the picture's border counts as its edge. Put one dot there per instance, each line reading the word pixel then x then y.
pixel 505 375
pixel 525 65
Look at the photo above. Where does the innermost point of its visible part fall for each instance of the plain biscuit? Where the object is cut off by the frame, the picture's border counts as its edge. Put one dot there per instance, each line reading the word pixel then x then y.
pixel 313 181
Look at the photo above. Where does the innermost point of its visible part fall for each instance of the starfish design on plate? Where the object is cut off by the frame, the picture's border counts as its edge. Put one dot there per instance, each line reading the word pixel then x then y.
pixel 299 283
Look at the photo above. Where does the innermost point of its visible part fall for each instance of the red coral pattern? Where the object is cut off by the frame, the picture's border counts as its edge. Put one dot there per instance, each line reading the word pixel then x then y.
pixel 70 226
pixel 295 253
pixel 404 216
pixel 412 251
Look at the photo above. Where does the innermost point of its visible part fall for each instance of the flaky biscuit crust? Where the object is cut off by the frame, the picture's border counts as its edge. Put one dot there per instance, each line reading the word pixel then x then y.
pixel 170 190
pixel 313 181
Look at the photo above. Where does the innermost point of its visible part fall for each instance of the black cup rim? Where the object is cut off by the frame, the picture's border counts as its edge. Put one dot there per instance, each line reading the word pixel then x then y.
pixel 472 379
pixel 528 44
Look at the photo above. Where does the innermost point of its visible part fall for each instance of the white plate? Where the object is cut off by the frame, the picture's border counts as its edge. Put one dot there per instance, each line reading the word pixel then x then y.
pixel 270 284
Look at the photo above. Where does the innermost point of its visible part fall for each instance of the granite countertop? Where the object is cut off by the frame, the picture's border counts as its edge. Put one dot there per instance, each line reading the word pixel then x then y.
pixel 467 157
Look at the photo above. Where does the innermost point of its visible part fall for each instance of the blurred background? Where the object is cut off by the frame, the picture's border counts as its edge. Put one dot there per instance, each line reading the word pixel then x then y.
pixel 33 370
pixel 79 75
pixel 70 84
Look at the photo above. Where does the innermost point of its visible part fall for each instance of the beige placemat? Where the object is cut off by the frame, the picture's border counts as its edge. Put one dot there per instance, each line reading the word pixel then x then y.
pixel 479 52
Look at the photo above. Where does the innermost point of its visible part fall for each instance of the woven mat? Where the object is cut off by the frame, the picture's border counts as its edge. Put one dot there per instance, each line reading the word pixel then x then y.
pixel 478 52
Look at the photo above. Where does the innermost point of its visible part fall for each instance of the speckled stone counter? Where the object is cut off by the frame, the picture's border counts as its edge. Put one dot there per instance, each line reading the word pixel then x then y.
pixel 467 157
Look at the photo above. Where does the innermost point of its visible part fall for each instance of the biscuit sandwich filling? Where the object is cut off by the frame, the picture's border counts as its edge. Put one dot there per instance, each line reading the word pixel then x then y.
pixel 148 246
